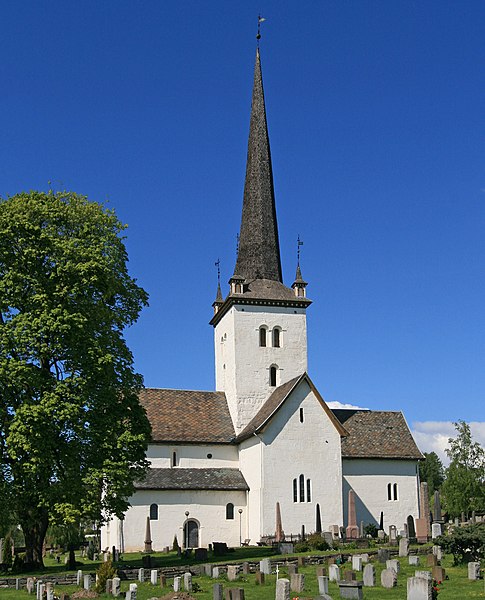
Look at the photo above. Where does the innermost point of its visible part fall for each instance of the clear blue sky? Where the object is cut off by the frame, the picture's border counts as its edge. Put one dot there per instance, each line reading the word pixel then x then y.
pixel 377 129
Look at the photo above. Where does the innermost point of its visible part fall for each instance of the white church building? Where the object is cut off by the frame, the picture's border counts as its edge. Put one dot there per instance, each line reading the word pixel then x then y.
pixel 221 460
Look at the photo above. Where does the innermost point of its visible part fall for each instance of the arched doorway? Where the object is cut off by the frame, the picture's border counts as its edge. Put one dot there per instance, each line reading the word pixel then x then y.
pixel 191 534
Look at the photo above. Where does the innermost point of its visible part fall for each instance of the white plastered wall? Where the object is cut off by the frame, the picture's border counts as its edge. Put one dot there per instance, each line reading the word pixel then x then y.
pixel 193 456
pixel 288 448
pixel 242 366
pixel 369 479
pixel 206 507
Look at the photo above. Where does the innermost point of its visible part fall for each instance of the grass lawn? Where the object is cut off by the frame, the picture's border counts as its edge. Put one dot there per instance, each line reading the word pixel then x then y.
pixel 458 587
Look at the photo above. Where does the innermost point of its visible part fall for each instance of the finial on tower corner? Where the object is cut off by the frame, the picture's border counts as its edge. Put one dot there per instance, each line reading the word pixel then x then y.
pixel 219 299
pixel 260 20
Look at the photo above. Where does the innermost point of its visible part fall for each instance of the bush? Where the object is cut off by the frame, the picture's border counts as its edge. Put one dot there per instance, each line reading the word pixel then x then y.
pixel 467 543
pixel 371 529
pixel 317 542
pixel 91 550
pixel 106 571
pixel 7 552
pixel 302 547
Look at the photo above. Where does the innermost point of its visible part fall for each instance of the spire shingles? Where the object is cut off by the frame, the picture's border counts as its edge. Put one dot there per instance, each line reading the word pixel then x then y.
pixel 259 251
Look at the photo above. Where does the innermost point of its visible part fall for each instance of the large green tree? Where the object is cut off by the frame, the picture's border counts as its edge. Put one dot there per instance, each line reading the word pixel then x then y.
pixel 431 470
pixel 463 488
pixel 73 435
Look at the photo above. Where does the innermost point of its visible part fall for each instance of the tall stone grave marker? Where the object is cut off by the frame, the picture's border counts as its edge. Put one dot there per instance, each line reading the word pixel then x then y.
pixel 352 531
pixel 403 547
pixel 297 582
pixel 424 505
pixel 153 577
pixel 333 572
pixel 283 589
pixel 188 582
pixel 369 575
pixel 322 585
pixel 87 582
pixel 177 584
pixel 473 570
pixel 217 591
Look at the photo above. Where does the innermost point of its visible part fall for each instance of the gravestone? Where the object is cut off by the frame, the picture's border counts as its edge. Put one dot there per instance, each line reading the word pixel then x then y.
pixel 393 535
pixel 369 576
pixel 232 572
pixel 322 584
pixel 87 582
pixel 141 575
pixel 393 564
pixel 473 570
pixel 365 558
pixel 237 594
pixel 424 506
pixel 382 555
pixel 188 582
pixel 282 589
pixel 334 530
pixel 357 563
pixel 418 589
pixel 41 591
pixel 321 571
pixel 37 586
pixel 328 537
pixel 331 561
pixel 245 568
pixel 438 573
pixel 423 575
pixel 30 585
pixel 333 572
pixel 116 586
pixel 49 591
pixel 286 548
pixel 352 531
pixel 153 577
pixel 109 586
pixel 163 580
pixel 413 560
pixel 301 561
pixel 217 591
pixel 351 589
pixel 297 582
pixel 381 534
pixel 17 583
pixel 350 576
pixel 431 560
pixel 215 573
pixel 421 530
pixel 79 578
pixel 388 578
pixel 265 566
pixel 177 584
pixel 132 592
pixel 259 578
pixel 207 570
pixel 200 554
pixel 435 530
pixel 403 547
pixel 292 569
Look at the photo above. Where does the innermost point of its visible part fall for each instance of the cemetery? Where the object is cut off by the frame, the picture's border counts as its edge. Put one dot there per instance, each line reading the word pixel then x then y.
pixel 370 569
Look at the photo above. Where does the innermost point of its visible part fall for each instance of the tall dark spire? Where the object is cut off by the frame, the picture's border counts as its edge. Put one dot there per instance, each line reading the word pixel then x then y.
pixel 259 250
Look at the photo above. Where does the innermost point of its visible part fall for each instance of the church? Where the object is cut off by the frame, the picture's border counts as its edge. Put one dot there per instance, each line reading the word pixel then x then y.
pixel 220 461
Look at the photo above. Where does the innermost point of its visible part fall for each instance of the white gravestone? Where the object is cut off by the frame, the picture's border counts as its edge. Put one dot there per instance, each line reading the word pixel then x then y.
pixel 116 587
pixel 154 577
pixel 393 564
pixel 297 582
pixel 232 572
pixel 79 578
pixel 49 590
pixel 188 582
pixel 388 578
pixel 435 530
pixel 403 547
pixel 87 582
pixel 322 585
pixel 177 584
pixel 423 574
pixel 357 563
pixel 418 589
pixel 369 575
pixel 141 575
pixel 282 589
pixel 333 572
pixel 265 566
pixel 413 560
pixel 473 570
pixel 215 573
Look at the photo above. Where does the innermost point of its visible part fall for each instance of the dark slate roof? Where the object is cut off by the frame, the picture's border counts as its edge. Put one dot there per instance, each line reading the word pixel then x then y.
pixel 193 479
pixel 188 416
pixel 376 434
pixel 259 251
pixel 274 402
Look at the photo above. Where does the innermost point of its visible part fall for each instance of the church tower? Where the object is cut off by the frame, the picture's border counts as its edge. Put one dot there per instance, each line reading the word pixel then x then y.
pixel 260 332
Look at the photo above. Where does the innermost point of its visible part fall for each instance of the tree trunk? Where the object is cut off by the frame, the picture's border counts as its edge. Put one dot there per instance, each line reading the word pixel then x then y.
pixel 34 532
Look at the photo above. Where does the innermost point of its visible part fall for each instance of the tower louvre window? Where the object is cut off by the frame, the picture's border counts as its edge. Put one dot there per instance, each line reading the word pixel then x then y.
pixel 262 337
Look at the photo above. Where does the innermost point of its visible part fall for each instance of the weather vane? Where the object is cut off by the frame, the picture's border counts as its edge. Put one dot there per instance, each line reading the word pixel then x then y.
pixel 298 244
pixel 260 20
pixel 218 265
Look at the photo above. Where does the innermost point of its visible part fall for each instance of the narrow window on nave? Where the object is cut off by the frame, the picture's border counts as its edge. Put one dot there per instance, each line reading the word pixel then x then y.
pixel 174 459
pixel 308 491
pixel 394 487
pixel 302 488
pixel 153 512
pixel 389 491
pixel 276 337
pixel 301 415
pixel 262 337
pixel 295 490
pixel 230 511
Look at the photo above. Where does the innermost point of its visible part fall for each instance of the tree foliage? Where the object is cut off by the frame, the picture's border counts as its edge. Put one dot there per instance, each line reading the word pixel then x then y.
pixel 73 434
pixel 463 488
pixel 431 470
pixel 465 543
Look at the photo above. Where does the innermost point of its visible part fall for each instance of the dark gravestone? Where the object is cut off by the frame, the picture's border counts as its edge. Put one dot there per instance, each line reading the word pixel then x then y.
pixel 350 576
pixel 220 548
pixel 200 554
pixel 259 578
pixel 411 528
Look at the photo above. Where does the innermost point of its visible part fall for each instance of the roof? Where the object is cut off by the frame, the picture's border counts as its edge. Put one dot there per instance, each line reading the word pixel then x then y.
pixel 188 416
pixel 377 434
pixel 259 251
pixel 276 400
pixel 193 479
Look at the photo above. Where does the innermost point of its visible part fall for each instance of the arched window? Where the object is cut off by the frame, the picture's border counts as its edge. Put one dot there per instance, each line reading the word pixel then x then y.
pixel 302 488
pixel 394 488
pixel 230 511
pixel 308 491
pixel 389 491
pixel 272 376
pixel 153 512
pixel 295 490
pixel 262 337
pixel 276 337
